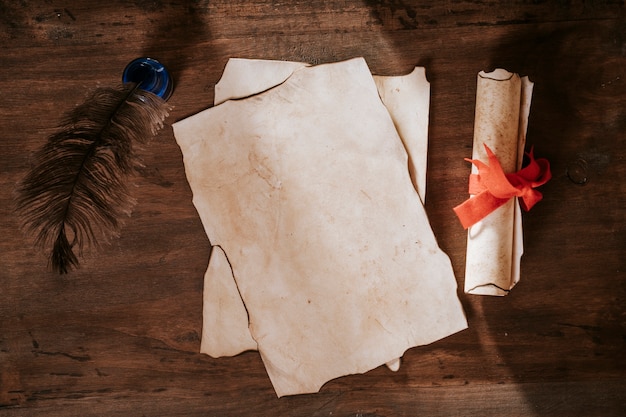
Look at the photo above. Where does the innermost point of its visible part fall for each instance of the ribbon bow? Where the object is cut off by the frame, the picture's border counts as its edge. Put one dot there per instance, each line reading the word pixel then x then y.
pixel 492 187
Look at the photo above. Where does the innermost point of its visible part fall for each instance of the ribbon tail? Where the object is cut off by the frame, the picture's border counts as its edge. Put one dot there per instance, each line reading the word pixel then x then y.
pixel 474 209
pixel 530 198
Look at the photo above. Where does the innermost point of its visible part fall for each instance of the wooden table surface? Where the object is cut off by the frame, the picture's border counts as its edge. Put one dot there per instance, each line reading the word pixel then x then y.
pixel 120 336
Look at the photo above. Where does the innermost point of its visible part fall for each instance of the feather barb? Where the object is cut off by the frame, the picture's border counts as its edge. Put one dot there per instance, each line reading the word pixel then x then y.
pixel 75 195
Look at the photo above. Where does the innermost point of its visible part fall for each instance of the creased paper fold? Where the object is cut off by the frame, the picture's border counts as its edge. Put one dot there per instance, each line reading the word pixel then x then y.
pixel 495 244
pixel 321 242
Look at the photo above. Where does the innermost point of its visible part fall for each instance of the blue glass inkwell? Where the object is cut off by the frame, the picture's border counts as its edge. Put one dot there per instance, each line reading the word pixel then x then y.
pixel 150 75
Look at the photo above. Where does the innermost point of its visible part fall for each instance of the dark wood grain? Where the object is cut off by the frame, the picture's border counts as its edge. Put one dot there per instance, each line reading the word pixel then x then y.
pixel 120 336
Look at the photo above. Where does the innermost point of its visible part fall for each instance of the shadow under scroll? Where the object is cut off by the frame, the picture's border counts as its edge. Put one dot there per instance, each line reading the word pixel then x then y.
pixel 564 320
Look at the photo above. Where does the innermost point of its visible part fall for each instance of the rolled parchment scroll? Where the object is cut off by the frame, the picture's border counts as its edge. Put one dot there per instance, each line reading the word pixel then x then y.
pixel 495 243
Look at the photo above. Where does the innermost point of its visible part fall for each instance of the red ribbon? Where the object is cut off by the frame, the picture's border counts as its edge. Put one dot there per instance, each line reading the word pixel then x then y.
pixel 492 187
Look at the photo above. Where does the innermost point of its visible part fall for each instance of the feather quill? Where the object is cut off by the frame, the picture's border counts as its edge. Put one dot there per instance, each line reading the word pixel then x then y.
pixel 75 195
